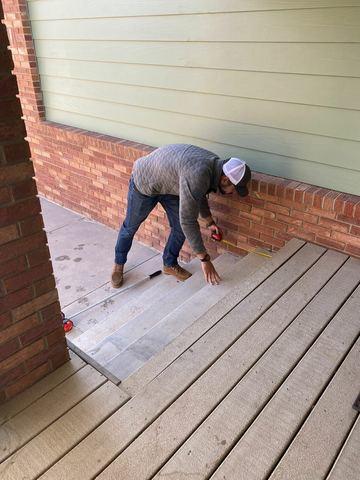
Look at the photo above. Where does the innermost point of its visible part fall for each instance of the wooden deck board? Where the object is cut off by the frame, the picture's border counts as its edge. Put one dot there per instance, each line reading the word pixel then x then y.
pixel 108 313
pixel 150 450
pixel 159 309
pixel 260 385
pixel 56 440
pixel 267 438
pixel 22 401
pixel 95 340
pixel 315 447
pixel 24 426
pixel 244 287
pixel 170 326
pixel 101 447
pixel 204 450
pixel 347 465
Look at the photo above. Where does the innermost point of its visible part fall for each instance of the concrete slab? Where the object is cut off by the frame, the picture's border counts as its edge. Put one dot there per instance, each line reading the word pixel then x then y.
pixel 110 312
pixel 82 252
pixel 55 216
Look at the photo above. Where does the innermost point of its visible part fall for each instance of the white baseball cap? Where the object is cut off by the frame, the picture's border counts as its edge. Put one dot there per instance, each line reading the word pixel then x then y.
pixel 234 169
pixel 239 174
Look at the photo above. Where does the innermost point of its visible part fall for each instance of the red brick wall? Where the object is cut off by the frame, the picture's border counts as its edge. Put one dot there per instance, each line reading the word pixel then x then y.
pixel 32 340
pixel 89 172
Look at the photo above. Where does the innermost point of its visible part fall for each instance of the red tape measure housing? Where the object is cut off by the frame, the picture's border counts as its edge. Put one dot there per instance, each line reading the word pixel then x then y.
pixel 217 237
pixel 67 324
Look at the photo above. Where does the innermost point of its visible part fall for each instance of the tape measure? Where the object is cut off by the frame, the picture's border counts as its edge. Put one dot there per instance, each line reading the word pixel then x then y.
pixel 218 238
pixel 67 324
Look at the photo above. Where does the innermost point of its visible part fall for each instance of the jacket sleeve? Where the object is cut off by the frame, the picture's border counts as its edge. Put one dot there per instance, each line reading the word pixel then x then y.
pixel 189 210
pixel 204 208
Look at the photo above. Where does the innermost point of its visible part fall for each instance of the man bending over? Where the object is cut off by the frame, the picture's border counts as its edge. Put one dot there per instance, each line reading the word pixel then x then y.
pixel 179 177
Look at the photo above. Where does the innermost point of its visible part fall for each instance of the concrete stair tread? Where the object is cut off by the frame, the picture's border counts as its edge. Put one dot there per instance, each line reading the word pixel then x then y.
pixel 176 321
pixel 126 307
pixel 156 305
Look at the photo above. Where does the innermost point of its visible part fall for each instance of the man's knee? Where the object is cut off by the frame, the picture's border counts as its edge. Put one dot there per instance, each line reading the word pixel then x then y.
pixel 129 231
pixel 178 233
pixel 177 228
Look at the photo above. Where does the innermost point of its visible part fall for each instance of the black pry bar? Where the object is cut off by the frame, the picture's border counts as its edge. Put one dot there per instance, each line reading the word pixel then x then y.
pixel 155 274
pixel 356 405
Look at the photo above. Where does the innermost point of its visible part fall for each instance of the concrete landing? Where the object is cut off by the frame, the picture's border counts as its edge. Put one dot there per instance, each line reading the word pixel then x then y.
pixel 111 336
pixel 82 252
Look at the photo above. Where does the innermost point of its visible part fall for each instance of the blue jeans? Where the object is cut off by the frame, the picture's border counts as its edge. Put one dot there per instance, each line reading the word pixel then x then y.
pixel 139 207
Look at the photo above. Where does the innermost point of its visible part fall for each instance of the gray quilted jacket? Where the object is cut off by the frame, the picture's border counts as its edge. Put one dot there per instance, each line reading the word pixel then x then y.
pixel 184 170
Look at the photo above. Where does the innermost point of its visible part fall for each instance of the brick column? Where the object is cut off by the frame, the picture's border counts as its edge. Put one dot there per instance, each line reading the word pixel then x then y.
pixel 32 341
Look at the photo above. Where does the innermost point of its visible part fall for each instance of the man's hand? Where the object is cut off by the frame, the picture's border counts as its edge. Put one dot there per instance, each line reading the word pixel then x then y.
pixel 214 229
pixel 210 274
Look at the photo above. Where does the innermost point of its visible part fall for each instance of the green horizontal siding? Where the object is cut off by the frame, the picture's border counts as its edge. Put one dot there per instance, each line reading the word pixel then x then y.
pixel 342 60
pixel 293 88
pixel 55 9
pixel 325 121
pixel 275 82
pixel 311 25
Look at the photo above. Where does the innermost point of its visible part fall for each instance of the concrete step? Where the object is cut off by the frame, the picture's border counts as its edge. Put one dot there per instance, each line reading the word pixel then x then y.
pixel 82 254
pixel 106 315
pixel 177 320
pixel 125 308
pixel 156 305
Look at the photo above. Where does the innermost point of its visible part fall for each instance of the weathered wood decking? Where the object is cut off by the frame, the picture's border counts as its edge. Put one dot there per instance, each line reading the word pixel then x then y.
pixel 261 386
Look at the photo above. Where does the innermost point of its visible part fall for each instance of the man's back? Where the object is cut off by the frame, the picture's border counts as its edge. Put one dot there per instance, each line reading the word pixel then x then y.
pixel 159 172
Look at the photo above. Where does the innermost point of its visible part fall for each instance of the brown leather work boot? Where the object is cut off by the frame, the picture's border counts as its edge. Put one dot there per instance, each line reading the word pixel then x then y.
pixel 117 276
pixel 178 272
